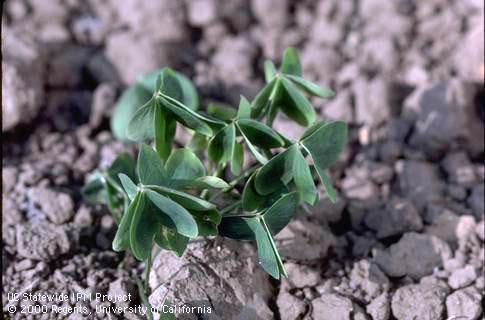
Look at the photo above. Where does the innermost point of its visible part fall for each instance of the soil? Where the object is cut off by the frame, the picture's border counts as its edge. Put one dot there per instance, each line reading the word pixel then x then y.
pixel 405 239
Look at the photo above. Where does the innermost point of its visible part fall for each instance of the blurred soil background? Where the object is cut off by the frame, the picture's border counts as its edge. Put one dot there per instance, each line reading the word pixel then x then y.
pixel 405 239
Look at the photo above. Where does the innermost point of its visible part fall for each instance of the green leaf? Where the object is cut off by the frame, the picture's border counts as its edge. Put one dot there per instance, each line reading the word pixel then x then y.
pixel 126 106
pixel 266 254
pixel 326 143
pixel 211 182
pixel 190 97
pixel 207 221
pixel 295 105
pixel 281 212
pixel 310 87
pixel 262 100
pixel 221 146
pixel 183 164
pixel 179 216
pixel 165 128
pixel 291 62
pixel 261 159
pixel 142 230
pixel 244 110
pixel 236 228
pixel 221 111
pixel 121 240
pixel 198 143
pixel 303 179
pixel 149 80
pixel 237 160
pixel 269 71
pixel 149 167
pixel 186 116
pixel 308 132
pixel 327 184
pixel 124 163
pixel 169 239
pixel 276 173
pixel 260 134
pixel 141 125
pixel 169 84
pixel 186 200
pixel 129 187
pixel 251 200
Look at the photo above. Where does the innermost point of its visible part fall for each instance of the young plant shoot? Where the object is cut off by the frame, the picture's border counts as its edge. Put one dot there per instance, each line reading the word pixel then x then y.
pixel 168 196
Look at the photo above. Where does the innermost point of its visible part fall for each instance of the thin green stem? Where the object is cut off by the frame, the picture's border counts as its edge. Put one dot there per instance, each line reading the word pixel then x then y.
pixel 233 183
pixel 231 207
pixel 144 298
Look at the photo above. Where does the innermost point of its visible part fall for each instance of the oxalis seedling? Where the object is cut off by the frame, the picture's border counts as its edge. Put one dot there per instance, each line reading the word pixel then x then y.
pixel 167 196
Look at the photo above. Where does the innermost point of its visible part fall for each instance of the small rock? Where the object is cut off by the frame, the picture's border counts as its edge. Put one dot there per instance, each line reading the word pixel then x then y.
pixel 327 211
pixel 462 277
pixel 83 216
pixel 335 307
pixel 371 101
pixel 339 108
pixel 380 173
pixel 472 68
pixel 58 207
pixel 459 169
pixel 103 101
pixel 398 217
pixel 464 303
pixel 424 302
pixel 270 13
pixel 23 70
pixel 420 181
pixel 357 186
pixel 415 255
pixel 202 12
pixel 379 308
pixel 302 276
pixel 368 277
pixel 24 264
pixel 289 306
pixel 42 241
pixel 476 201
pixel 304 241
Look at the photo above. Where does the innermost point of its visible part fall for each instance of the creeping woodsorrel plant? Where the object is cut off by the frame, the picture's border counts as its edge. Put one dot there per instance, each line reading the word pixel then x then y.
pixel 169 195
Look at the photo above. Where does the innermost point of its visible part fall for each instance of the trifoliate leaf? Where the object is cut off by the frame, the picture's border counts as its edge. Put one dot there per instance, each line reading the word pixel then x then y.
pixel 269 71
pixel 126 106
pixel 251 200
pixel 262 100
pixel 260 134
pixel 124 163
pixel 94 190
pixel 121 240
pixel 295 105
pixel 291 62
pixel 221 146
pixel 303 179
pixel 149 167
pixel 244 110
pixel 281 212
pixel 276 173
pixel 170 85
pixel 141 125
pixel 237 160
pixel 142 230
pixel 186 116
pixel 236 227
pixel 165 128
pixel 310 87
pixel 261 159
pixel 169 239
pixel 326 143
pixel 178 215
pixel 220 111
pixel 183 164
pixel 129 187
pixel 198 143
pixel 186 200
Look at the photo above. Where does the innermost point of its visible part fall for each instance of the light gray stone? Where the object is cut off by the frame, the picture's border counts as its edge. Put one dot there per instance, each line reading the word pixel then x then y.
pixel 464 303
pixel 415 255
pixel 424 302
